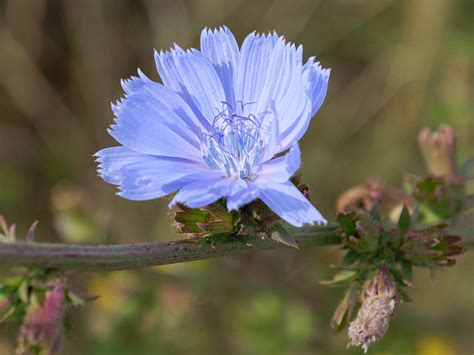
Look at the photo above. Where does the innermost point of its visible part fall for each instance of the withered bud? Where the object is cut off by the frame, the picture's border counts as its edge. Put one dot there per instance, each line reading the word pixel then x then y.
pixel 379 298
pixel 439 152
pixel 433 246
pixel 372 192
pixel 43 324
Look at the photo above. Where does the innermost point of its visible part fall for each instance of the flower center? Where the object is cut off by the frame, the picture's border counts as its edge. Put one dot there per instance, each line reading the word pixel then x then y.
pixel 234 143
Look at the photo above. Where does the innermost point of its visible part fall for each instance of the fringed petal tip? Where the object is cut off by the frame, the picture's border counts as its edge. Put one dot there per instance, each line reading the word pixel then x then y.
pixel 135 83
pixel 222 29
pixel 320 222
pixel 316 222
pixel 311 62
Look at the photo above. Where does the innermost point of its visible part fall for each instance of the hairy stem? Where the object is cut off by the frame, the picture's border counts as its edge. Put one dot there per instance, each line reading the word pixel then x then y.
pixel 132 256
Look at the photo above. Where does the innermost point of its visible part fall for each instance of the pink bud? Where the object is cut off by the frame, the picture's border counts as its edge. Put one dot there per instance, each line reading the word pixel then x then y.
pixel 44 322
pixel 439 151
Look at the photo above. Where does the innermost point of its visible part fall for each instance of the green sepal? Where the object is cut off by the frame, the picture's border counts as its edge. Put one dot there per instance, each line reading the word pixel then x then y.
pixel 345 311
pixel 350 258
pixel 404 222
pixel 74 300
pixel 24 291
pixel 347 221
pixel 369 234
pixel 281 235
pixel 407 269
pixel 342 278
pixel 375 213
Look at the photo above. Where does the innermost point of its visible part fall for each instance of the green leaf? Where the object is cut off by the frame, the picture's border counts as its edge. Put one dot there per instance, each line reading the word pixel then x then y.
pixel 348 223
pixel 23 291
pixel 404 222
pixel 350 258
pixel 384 239
pixel 407 269
pixel 375 213
pixel 281 235
pixel 342 278
pixel 345 310
pixel 15 312
pixel 369 233
pixel 192 215
pixel 74 300
pixel 399 278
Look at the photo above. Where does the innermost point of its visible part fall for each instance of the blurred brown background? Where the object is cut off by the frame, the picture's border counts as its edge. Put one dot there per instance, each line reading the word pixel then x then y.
pixel 396 66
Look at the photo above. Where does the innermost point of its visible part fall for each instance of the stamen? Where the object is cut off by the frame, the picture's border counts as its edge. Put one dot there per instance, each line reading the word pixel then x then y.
pixel 234 143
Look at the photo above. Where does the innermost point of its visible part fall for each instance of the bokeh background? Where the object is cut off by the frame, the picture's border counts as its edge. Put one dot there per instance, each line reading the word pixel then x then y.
pixel 396 66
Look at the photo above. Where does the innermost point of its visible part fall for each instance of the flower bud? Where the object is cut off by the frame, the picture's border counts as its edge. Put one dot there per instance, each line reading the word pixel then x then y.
pixel 42 328
pixel 378 305
pixel 432 246
pixel 439 151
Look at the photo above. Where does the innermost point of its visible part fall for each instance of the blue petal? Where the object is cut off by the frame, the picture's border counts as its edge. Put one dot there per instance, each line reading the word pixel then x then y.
pixel 283 91
pixel 237 191
pixel 174 102
pixel 281 169
pixel 270 75
pixel 290 204
pixel 220 47
pixel 197 194
pixel 298 127
pixel 144 177
pixel 228 186
pixel 136 84
pixel 147 125
pixel 315 80
pixel 192 75
pixel 316 83
pixel 250 193
pixel 112 160
pixel 254 61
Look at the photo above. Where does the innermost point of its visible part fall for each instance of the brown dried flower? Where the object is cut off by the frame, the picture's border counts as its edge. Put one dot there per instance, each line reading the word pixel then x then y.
pixel 378 305
pixel 372 192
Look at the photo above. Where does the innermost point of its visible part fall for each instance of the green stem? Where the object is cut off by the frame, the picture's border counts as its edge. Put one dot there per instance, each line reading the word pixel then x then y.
pixel 132 256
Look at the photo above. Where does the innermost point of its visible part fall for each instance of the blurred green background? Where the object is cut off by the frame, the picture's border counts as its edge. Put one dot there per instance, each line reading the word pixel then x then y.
pixel 396 66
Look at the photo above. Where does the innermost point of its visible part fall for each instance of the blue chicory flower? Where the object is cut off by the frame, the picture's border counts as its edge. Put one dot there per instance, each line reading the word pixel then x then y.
pixel 218 125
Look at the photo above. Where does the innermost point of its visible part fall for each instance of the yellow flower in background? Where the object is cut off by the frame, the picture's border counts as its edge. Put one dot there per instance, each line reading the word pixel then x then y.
pixel 114 290
pixel 435 345
pixel 115 302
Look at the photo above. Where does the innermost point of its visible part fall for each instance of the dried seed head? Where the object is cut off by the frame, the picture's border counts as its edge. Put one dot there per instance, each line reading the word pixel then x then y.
pixel 378 305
